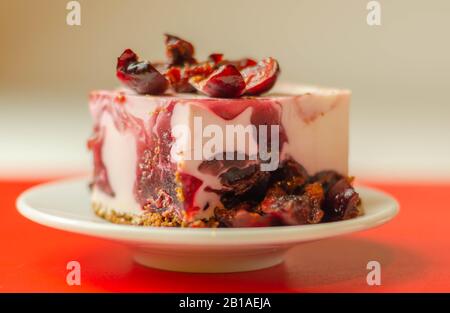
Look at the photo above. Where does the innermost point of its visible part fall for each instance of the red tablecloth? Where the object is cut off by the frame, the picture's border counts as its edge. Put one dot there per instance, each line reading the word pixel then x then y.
pixel 413 249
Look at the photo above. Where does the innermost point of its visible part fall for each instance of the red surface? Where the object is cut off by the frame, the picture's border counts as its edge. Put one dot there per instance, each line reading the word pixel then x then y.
pixel 413 249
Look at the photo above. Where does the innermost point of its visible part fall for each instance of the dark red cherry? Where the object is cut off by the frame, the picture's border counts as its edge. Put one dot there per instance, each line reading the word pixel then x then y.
pixel 341 201
pixel 260 77
pixel 179 51
pixel 225 82
pixel 127 57
pixel 140 76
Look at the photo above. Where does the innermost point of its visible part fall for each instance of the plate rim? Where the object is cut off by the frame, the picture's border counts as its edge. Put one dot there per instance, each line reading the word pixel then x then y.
pixel 274 235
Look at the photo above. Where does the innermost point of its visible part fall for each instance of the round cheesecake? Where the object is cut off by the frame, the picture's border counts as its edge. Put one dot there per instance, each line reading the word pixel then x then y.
pixel 212 144
pixel 151 166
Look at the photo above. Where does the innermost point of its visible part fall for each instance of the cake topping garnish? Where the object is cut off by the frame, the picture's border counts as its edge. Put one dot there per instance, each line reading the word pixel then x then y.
pixel 140 76
pixel 215 77
pixel 260 77
pixel 225 82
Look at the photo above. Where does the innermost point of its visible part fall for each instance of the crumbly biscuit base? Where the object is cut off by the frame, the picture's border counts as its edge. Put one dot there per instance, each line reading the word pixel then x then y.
pixel 147 218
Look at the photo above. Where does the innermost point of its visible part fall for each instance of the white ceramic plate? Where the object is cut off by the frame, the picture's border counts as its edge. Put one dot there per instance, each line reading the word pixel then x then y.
pixel 65 205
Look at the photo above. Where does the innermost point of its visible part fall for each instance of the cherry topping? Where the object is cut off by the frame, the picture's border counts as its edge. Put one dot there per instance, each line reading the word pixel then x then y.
pixel 225 82
pixel 203 69
pixel 260 77
pixel 177 81
pixel 179 51
pixel 180 76
pixel 216 77
pixel 173 74
pixel 140 76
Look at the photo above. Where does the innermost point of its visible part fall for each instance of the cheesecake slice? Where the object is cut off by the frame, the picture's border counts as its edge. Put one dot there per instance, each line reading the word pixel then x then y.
pixel 205 144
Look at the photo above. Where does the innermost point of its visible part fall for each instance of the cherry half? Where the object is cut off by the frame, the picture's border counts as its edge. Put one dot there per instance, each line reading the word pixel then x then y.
pixel 225 82
pixel 140 76
pixel 260 77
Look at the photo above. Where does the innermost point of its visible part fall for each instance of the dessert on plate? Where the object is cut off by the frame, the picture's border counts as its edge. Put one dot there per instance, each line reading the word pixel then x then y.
pixel 218 143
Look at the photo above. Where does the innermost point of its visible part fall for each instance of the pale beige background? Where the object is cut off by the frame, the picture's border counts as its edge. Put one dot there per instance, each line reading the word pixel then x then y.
pixel 399 72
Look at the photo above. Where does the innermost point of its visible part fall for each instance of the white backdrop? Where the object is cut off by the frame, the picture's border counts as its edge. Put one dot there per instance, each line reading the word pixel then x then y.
pixel 399 72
